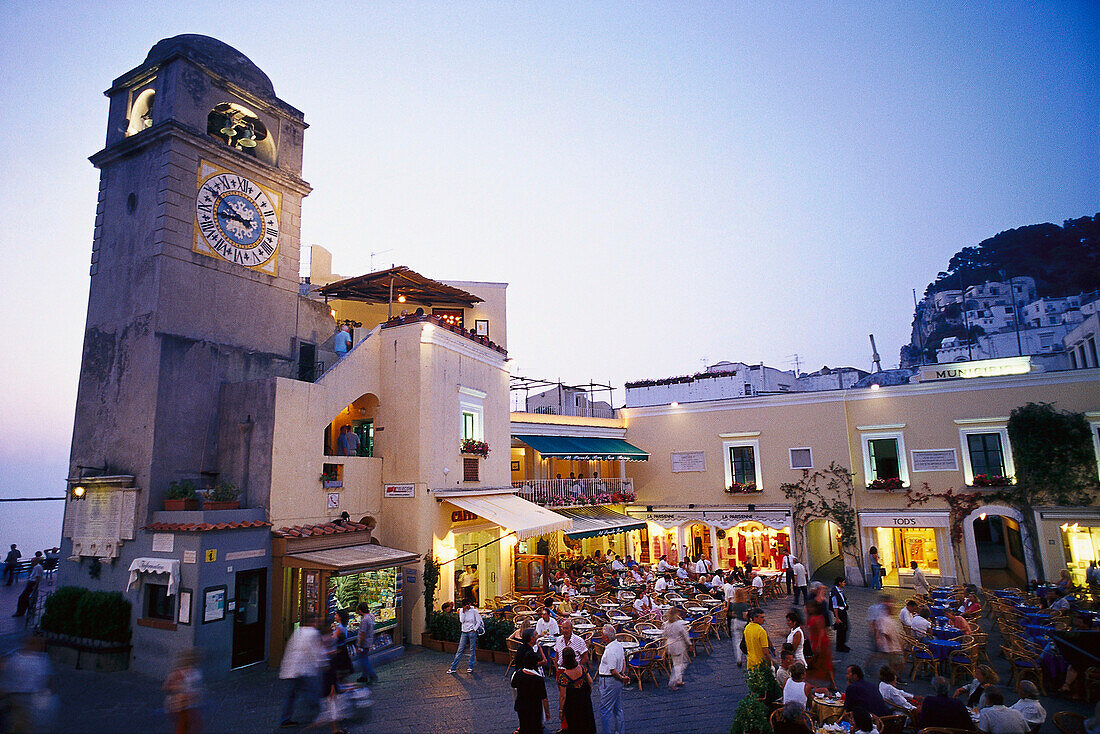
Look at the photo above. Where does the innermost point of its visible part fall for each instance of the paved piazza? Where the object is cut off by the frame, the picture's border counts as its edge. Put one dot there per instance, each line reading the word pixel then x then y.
pixel 416 694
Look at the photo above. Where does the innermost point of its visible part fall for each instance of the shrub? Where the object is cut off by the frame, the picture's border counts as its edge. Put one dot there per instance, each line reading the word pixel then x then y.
pixel 762 683
pixel 444 627
pixel 496 634
pixel 103 615
pixel 751 717
pixel 184 490
pixel 224 492
pixel 60 614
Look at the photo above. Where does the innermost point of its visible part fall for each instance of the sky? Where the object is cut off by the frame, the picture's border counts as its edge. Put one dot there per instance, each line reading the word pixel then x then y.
pixel 663 185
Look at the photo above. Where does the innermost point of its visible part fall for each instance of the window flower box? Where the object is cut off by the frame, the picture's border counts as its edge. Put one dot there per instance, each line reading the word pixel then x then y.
pixel 990 480
pixel 474 447
pixel 886 484
pixel 739 488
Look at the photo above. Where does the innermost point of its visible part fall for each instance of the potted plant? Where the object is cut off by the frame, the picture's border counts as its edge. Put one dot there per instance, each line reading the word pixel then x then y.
pixel 886 484
pixel 181 496
pixel 224 496
pixel 739 488
pixel 474 447
pixel 751 717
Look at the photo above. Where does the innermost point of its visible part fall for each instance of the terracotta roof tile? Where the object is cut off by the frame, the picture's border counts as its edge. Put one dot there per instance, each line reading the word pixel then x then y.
pixel 201 527
pixel 328 528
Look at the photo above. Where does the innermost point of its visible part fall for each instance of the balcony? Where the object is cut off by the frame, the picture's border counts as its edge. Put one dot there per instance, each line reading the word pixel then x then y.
pixel 576 492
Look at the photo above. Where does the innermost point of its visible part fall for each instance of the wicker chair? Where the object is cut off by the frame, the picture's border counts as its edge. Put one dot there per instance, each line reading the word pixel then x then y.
pixel 699 633
pixel 962 663
pixel 642 662
pixel 894 723
pixel 920 657
pixel 847 717
pixel 1025 666
pixel 1068 722
pixel 777 717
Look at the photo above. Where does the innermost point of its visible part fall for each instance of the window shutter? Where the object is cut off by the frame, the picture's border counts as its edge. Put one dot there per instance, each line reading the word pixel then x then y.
pixel 470 469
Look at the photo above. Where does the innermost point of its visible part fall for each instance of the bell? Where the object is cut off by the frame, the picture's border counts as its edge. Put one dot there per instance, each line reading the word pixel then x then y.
pixel 246 138
pixel 228 128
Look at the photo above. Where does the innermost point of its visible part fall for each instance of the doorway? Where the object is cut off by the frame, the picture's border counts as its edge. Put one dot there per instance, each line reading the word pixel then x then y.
pixel 699 541
pixel 250 617
pixel 365 431
pixel 823 555
pixel 1000 552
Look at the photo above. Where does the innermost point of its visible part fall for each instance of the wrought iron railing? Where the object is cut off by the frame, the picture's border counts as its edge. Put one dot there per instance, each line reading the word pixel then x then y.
pixel 576 492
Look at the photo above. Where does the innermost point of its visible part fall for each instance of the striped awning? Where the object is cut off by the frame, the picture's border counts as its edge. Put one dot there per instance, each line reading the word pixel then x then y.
pixel 584 449
pixel 597 521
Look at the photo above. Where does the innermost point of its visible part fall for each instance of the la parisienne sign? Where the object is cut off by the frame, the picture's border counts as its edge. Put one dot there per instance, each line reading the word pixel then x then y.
pixel 979 368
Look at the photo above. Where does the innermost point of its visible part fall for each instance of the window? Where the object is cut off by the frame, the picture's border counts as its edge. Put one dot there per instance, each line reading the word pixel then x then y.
pixel 158 605
pixel 469 424
pixel 742 465
pixel 802 458
pixel 743 462
pixel 986 456
pixel 471 408
pixel 884 458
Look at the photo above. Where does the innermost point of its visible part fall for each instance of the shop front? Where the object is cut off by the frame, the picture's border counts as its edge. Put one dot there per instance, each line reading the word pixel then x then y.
pixel 903 538
pixel 312 580
pixel 727 536
pixel 492 546
pixel 1075 532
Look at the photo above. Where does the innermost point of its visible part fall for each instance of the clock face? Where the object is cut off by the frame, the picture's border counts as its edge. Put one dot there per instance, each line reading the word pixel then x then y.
pixel 236 219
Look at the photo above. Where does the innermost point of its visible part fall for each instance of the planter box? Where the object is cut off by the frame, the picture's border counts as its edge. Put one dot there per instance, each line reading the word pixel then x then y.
pixel 171 505
pixel 98 656
pixel 221 504
pixel 333 484
pixel 427 641
pixel 449 647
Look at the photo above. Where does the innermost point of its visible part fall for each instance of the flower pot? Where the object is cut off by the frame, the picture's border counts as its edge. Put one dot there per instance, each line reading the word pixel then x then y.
pixel 449 647
pixel 221 504
pixel 181 504
pixel 501 657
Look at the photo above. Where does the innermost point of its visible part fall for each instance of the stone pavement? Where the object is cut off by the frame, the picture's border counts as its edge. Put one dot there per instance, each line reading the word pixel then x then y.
pixel 417 695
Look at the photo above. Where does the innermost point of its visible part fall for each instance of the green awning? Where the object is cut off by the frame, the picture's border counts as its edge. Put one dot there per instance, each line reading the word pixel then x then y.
pixel 597 521
pixel 584 449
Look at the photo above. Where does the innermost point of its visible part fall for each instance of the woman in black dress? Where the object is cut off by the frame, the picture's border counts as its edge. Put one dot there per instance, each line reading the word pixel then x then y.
pixel 530 688
pixel 575 695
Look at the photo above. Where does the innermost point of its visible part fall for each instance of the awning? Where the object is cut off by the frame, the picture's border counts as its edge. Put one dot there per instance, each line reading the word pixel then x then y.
pixel 594 522
pixel 584 449
pixel 386 286
pixel 527 519
pixel 156 567
pixel 351 559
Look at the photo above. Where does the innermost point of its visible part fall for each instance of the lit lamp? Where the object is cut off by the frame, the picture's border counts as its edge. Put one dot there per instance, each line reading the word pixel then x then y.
pixel 982 517
pixel 78 492
pixel 400 299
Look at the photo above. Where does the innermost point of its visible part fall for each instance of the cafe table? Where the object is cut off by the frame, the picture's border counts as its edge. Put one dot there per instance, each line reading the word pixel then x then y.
pixel 609 605
pixel 940 609
pixel 945 632
pixel 696 609
pixel 942 649
pixel 1039 630
pixel 825 706
pixel 629 647
pixel 620 618
pixel 1028 608
pixel 652 634
pixel 583 626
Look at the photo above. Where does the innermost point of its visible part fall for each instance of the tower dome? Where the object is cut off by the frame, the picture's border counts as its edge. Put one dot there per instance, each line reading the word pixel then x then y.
pixel 218 57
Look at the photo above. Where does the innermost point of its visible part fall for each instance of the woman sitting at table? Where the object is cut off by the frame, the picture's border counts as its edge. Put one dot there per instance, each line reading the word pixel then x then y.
pixel 797 689
pixel 1064 582
pixel 974 691
pixel 959 622
pixel 970 604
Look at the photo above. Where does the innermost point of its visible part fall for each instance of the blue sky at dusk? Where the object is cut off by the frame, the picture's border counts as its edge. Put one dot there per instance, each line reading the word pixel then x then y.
pixel 658 182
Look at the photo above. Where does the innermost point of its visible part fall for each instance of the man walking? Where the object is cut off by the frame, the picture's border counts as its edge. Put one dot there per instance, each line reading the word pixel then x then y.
pixel 739 615
pixel 840 614
pixel 364 642
pixel 920 583
pixel 801 580
pixel 11 565
pixel 471 623
pixel 303 660
pixel 611 678
pixel 785 566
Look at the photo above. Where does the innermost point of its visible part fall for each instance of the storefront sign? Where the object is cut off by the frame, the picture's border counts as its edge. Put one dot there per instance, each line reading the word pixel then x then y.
pixel 725 519
pixel 896 520
pixel 163 542
pixel 979 368
pixel 689 461
pixel 400 490
pixel 238 555
pixel 935 460
pixel 462 516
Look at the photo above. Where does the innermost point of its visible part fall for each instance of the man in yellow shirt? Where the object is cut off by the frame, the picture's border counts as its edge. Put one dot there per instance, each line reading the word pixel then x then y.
pixel 756 640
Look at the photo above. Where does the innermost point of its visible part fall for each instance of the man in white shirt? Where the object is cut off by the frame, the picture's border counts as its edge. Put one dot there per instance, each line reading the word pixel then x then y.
pixel 921 623
pixel 681 572
pixel 801 580
pixel 546 625
pixel 758 585
pixel 611 677
pixel 1029 705
pixel 662 583
pixel 1063 602
pixel 786 566
pixel 892 695
pixel 617 565
pixel 663 565
pixel 907 612
pixel 568 590
pixel 303 659
pixel 701 566
pixel 568 639
pixel 996 718
pixel 716 581
pixel 471 623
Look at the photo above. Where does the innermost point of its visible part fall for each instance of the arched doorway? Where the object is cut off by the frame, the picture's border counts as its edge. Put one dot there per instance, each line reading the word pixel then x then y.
pixel 823 558
pixel 698 540
pixel 997 548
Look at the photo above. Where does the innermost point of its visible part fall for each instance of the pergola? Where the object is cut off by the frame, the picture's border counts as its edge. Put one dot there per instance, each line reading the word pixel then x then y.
pixel 398 283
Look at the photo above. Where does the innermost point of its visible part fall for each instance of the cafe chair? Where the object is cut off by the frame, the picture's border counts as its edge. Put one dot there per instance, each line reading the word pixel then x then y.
pixel 1025 666
pixel 513 647
pixel 830 719
pixel 776 719
pixel 699 633
pixel 894 723
pixel 921 659
pixel 640 663
pixel 961 663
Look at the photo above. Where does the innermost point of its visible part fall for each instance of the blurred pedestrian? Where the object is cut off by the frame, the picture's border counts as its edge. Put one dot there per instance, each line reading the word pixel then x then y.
pixel 183 687
pixel 677 642
pixel 29 598
pixel 364 642
pixel 25 682
pixel 304 658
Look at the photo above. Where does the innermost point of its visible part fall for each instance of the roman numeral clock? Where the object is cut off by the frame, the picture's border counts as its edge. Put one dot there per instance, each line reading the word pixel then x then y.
pixel 236 219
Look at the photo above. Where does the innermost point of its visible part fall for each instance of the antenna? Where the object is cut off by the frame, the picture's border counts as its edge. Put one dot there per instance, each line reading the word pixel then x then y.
pixel 874 354
pixel 797 363
pixel 380 252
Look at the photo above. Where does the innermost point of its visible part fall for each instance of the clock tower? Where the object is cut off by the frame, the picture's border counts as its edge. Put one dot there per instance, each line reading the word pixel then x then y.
pixel 194 276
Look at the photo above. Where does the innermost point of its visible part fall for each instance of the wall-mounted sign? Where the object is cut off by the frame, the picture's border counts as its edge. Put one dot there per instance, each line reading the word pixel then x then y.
pixel 238 555
pixel 189 556
pixel 978 368
pixel 334 500
pixel 462 516
pixel 935 460
pixel 213 608
pixel 163 542
pixel 211 555
pixel 400 490
pixel 689 461
pixel 410 575
pixel 903 520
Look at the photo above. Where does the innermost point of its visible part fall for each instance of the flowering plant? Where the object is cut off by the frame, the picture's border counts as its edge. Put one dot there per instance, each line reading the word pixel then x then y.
pixel 621 497
pixel 603 499
pixel 560 501
pixel 886 484
pixel 739 488
pixel 990 480
pixel 473 446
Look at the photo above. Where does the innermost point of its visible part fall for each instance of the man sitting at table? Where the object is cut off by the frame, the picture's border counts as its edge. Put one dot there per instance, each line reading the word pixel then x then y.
pixel 860 695
pixel 908 612
pixel 894 696
pixel 662 583
pixel 617 565
pixel 546 625
pixel 996 718
pixel 792 720
pixel 682 571
pixel 786 661
pixel 645 606
pixel 663 565
pixel 922 622
pixel 568 639
pixel 1062 600
pixel 1029 705
pixel 942 711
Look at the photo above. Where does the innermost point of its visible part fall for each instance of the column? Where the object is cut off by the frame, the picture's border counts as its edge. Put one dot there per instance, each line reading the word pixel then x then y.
pixel 713 546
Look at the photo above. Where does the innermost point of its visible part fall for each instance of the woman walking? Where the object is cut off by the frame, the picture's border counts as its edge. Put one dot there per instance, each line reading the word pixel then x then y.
pixel 677 642
pixel 821 667
pixel 876 569
pixel 797 637
pixel 575 695
pixel 531 701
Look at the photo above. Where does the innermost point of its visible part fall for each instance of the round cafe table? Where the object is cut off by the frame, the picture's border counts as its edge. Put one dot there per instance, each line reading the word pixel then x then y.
pixel 609 605
pixel 1028 608
pixel 1039 630
pixel 583 626
pixel 945 632
pixel 824 706
pixel 620 618
pixel 652 634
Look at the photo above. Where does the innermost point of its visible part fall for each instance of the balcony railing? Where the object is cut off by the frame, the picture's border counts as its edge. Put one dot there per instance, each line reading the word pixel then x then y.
pixel 576 492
